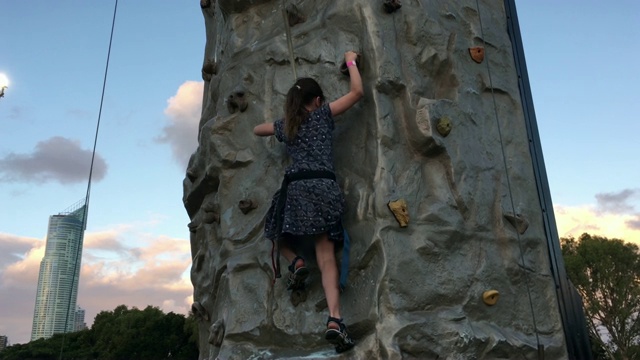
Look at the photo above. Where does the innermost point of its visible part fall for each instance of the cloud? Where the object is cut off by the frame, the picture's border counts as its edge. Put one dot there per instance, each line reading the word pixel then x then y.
pixel 183 114
pixel 104 240
pixel 14 247
pixel 119 266
pixel 575 220
pixel 56 159
pixel 634 223
pixel 18 284
pixel 17 315
pixel 616 203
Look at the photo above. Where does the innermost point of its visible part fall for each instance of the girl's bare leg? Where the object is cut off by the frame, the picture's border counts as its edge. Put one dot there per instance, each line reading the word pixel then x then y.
pixel 326 258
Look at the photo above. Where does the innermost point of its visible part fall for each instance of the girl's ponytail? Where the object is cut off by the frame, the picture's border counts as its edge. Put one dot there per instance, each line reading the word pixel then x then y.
pixel 302 93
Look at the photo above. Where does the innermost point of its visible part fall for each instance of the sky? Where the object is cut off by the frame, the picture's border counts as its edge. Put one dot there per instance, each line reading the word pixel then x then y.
pixel 581 61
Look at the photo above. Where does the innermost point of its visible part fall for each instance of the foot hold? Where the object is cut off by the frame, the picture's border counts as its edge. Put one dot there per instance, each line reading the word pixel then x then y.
pixel 297 274
pixel 338 337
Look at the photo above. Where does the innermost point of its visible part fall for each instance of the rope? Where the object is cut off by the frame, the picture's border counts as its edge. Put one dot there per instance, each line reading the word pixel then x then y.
pixel 506 170
pixel 93 156
pixel 292 58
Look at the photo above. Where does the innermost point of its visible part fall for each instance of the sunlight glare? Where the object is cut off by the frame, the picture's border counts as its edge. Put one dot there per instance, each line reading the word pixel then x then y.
pixel 4 81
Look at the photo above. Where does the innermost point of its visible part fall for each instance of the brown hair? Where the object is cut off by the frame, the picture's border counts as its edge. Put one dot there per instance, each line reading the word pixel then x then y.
pixel 301 93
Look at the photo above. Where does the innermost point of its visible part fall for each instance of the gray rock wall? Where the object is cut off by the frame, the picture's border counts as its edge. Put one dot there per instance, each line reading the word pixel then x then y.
pixel 414 292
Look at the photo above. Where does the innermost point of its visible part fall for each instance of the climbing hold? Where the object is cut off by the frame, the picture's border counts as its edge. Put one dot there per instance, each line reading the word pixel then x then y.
pixel 237 101
pixel 294 16
pixel 297 297
pixel 247 205
pixel 477 53
pixel 205 3
pixel 211 213
pixel 216 333
pixel 210 206
pixel 192 175
pixel 392 5
pixel 399 209
pixel 199 311
pixel 444 126
pixel 490 297
pixel 321 305
pixel 198 261
pixel 520 223
pixel 211 217
pixel 209 69
pixel 193 225
pixel 345 70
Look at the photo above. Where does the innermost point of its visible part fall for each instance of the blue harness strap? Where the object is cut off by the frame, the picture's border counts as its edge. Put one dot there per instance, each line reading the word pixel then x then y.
pixel 344 266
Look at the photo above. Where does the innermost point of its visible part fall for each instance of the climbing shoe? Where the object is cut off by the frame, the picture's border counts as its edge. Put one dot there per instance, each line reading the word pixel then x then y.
pixel 297 275
pixel 338 337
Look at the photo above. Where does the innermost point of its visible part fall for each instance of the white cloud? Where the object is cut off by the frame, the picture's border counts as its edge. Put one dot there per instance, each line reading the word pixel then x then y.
pixel 183 114
pixel 575 220
pixel 613 216
pixel 55 159
pixel 18 281
pixel 14 247
pixel 115 271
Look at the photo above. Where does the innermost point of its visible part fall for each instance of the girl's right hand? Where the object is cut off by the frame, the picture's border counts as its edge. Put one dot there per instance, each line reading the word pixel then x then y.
pixel 350 56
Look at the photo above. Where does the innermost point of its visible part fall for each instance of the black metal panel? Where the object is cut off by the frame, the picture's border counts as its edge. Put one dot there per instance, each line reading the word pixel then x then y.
pixel 569 303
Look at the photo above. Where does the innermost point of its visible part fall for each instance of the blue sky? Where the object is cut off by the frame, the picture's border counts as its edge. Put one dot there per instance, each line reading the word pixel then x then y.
pixel 582 66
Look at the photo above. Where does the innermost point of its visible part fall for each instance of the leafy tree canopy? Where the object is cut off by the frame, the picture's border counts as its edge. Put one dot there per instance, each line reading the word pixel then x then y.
pixel 606 272
pixel 119 334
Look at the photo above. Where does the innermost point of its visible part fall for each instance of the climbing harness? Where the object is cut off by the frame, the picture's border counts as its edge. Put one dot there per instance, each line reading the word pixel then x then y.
pixel 506 169
pixel 292 58
pixel 88 193
pixel 279 215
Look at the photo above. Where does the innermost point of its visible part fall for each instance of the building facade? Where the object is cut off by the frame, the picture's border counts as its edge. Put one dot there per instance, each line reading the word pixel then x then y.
pixel 57 293
pixel 4 342
pixel 80 324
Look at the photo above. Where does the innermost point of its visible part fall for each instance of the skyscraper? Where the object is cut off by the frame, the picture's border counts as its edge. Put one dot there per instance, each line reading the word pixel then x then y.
pixel 57 293
pixel 80 324
pixel 4 342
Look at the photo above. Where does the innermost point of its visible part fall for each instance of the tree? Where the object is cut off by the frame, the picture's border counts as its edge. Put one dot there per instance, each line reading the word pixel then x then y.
pixel 142 334
pixel 119 334
pixel 606 272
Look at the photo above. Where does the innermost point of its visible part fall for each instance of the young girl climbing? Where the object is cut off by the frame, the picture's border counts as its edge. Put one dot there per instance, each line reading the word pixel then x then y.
pixel 309 205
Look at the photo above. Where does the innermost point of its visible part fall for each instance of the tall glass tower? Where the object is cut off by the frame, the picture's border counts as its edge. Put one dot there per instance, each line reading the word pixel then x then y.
pixel 57 294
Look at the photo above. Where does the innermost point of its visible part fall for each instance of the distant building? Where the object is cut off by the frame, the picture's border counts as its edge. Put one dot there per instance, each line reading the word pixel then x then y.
pixel 4 342
pixel 57 293
pixel 80 324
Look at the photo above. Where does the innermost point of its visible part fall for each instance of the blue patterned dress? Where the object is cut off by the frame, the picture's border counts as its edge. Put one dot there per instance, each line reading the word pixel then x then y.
pixel 312 206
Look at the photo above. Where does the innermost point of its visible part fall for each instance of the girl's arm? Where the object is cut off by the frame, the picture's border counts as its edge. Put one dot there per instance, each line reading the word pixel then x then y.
pixel 355 93
pixel 265 129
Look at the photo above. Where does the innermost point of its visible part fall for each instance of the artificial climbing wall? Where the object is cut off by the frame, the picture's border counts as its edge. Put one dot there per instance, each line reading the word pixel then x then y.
pixel 441 128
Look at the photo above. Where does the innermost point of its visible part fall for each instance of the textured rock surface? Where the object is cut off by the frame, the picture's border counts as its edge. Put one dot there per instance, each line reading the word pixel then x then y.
pixel 414 292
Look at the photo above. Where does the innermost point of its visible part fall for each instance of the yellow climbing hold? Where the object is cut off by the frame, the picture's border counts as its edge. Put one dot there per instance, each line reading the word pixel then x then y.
pixel 444 126
pixel 399 209
pixel 490 297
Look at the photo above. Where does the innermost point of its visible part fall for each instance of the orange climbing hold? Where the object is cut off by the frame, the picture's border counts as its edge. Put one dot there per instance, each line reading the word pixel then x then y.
pixel 477 53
